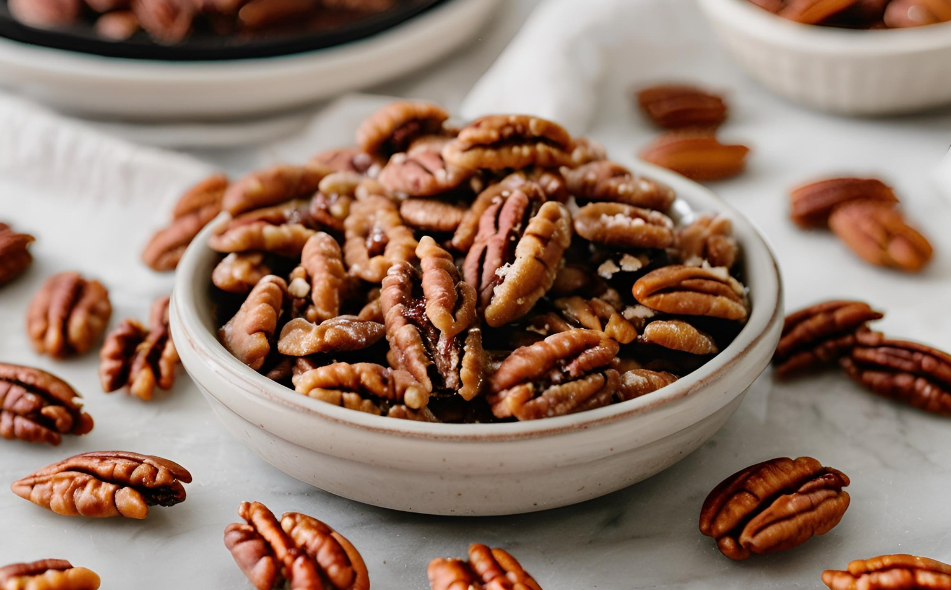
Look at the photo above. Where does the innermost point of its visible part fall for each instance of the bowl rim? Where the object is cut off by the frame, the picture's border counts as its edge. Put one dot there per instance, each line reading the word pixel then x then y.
pixel 761 23
pixel 765 317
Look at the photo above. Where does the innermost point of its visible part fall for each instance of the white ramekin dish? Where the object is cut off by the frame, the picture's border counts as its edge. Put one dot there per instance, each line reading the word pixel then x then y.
pixel 843 71
pixel 480 469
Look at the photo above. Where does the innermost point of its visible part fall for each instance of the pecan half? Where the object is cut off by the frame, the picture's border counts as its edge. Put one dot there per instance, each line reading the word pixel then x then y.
pixel 282 230
pixel 488 569
pixel 249 333
pixel 624 226
pixel 167 21
pixel 679 335
pixel 322 276
pixel 708 238
pixel 377 239
pixel 67 315
pixel 773 506
pixel 891 572
pixel 273 186
pixel 348 159
pixel 300 549
pixel 139 358
pixel 198 206
pixel 811 204
pixel 879 234
pixel 905 371
pixel 432 215
pixel 598 315
pixel 565 373
pixel 422 171
pixel 637 382
pixel 38 407
pixel 587 150
pixel 675 106
pixel 394 127
pixel 468 228
pixel 698 155
pixel 46 13
pixel 240 272
pixel 47 574
pixel 365 387
pixel 15 257
pixel 820 334
pixel 609 181
pixel 343 333
pixel 104 484
pixel 691 290
pixel 813 12
pixel 916 13
pixel 498 142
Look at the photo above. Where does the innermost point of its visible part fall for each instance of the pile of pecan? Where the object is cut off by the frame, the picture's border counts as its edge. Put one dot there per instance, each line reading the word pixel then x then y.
pixel 861 14
pixel 500 270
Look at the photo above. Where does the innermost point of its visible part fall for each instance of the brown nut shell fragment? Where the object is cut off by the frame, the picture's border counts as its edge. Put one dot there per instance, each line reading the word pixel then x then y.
pixel 609 181
pixel 105 484
pixel 282 230
pixel 343 333
pixel 916 13
pixel 38 407
pixel 497 142
pixel 273 186
pixel 240 272
pixel 624 226
pixel 698 155
pixel 811 204
pixel 891 572
pixel 878 233
pixel 904 371
pixel 248 334
pixel 361 387
pixel 376 239
pixel 820 334
pixel 394 127
pixel 491 569
pixel 675 106
pixel 637 382
pixel 431 215
pixel 708 238
pixel 679 335
pixel 690 290
pixel 599 315
pixel 47 574
pixel 422 171
pixel 773 506
pixel 15 257
pixel 68 315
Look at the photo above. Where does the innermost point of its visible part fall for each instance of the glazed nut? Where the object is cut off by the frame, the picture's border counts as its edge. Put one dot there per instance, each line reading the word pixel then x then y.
pixel 708 238
pixel 273 186
pixel 68 315
pixel 281 230
pixel 811 204
pixel 38 407
pixel 904 371
pixel 878 233
pixel 604 180
pixel 394 127
pixel 813 12
pixel 690 290
pixel 46 13
pixel 322 275
pixel 105 484
pixel 47 574
pixel 498 142
pixel 916 13
pixel 365 387
pixel 890 572
pixel 491 569
pixel 348 159
pixel 676 106
pixel 774 506
pixel 679 335
pixel 140 358
pixel 624 226
pixel 240 272
pixel 15 256
pixel 698 155
pixel 166 21
pixel 376 239
pixel 596 314
pixel 639 382
pixel 430 215
pixel 248 334
pixel 422 171
pixel 343 333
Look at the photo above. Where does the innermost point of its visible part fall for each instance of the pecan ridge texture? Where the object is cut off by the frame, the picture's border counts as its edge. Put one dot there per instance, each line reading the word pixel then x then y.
pixel 486 569
pixel 68 315
pixel 891 572
pixel 47 574
pixel 691 290
pixel 15 257
pixel 36 406
pixel 510 141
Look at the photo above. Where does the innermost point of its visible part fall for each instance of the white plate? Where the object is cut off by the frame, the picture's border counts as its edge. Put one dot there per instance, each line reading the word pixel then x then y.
pixel 157 90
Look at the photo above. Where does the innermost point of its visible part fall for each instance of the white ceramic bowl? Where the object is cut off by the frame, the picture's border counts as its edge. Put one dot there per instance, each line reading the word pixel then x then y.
pixel 480 469
pixel 838 70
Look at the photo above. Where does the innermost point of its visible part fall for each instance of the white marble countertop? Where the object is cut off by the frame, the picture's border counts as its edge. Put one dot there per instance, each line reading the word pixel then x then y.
pixel 642 537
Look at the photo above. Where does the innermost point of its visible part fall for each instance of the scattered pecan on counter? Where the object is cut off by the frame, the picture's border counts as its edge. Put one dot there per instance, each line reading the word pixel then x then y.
pixel 891 572
pixel 675 106
pixel 491 569
pixel 812 203
pixel 47 574
pixel 15 257
pixel 696 154
pixel 68 315
pixel 36 406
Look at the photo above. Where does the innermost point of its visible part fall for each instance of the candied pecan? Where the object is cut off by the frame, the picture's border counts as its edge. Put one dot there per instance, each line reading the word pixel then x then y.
pixel 676 105
pixel 281 230
pixel 403 412
pixel 348 159
pixel 598 315
pixel 421 171
pixel 679 335
pixel 551 182
pixel 36 406
pixel 394 127
pixel 432 215
pixel 273 186
pixel 335 194
pixel 15 257
pixel 47 574
pixel 117 26
pixel 708 238
pixel 773 506
pixel 248 334
pixel 489 569
pixel 497 142
pixel 624 226
pixel 609 181
pixel 811 204
pixel 361 386
pixel 916 13
pixel 322 276
pixel 300 337
pixel 103 484
pixel 587 150
pixel 139 358
pixel 891 572
pixel 67 315
pixel 468 228
pixel 690 290
pixel 167 21
pixel 698 155
pixel 565 373
pixel 300 549
pixel 431 323
pixel 905 371
pixel 820 334
pixel 637 382
pixel 45 13
pixel 376 238
pixel 879 234
pixel 240 272
pixel 260 14
pixel 813 12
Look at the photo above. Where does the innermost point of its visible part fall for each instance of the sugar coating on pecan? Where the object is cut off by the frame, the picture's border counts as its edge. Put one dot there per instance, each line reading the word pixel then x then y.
pixel 343 333
pixel 239 272
pixel 639 382
pixel 422 171
pixel 710 238
pixel 878 233
pixel 604 180
pixel 674 106
pixel 551 182
pixel 47 574
pixel 282 230
pixel 348 159
pixel 249 333
pixel 376 239
pixel 15 256
pixel 492 569
pixel 890 572
pixel 432 215
pixel 105 484
pixel 624 226
pixel 690 290
pixel 773 506
pixel 68 315
pixel 394 127
pixel 812 203
pixel 497 142
pixel 193 211
pixel 38 407
pixel 273 186
pixel 679 335
pixel 598 315
pixel 361 386
pixel 696 154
